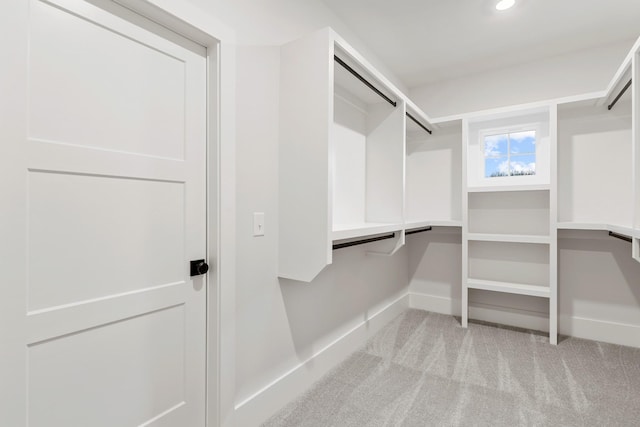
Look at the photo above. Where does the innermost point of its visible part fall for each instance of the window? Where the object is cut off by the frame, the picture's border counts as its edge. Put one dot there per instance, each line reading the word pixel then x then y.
pixel 509 154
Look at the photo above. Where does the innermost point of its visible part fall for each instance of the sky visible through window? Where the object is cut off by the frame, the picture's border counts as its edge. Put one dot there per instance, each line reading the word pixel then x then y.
pixel 510 154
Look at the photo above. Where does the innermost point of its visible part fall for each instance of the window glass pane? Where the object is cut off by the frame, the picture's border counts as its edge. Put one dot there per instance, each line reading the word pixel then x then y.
pixel 495 145
pixel 523 142
pixel 523 165
pixel 496 166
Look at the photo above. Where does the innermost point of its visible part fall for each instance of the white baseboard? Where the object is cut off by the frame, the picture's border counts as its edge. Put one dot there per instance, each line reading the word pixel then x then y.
pixel 258 407
pixel 579 327
pixel 434 304
pixel 600 330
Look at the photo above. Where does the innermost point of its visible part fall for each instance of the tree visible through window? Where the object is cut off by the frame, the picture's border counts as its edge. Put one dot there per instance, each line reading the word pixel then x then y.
pixel 510 154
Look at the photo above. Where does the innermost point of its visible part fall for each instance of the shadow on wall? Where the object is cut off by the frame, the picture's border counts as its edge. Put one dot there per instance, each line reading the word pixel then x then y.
pixel 345 294
pixel 599 271
pixel 435 260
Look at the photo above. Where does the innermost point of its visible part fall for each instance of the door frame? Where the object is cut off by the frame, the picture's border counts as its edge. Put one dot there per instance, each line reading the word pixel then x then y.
pixel 219 40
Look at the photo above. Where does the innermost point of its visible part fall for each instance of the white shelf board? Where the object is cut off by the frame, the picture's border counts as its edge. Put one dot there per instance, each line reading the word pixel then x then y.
pixel 349 231
pixel 621 229
pixel 413 224
pixel 509 238
pixel 511 288
pixel 495 188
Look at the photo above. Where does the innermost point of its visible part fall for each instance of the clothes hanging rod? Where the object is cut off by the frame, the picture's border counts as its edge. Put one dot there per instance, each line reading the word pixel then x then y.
pixel 624 89
pixel 363 241
pixel 417 230
pixel 418 123
pixel 620 236
pixel 363 80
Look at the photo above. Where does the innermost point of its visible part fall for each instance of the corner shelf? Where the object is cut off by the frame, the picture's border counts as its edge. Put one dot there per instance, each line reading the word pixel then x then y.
pixel 509 238
pixel 349 231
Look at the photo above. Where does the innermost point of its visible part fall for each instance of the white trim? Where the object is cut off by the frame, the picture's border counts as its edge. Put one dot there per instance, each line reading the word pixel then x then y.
pixel 201 27
pixel 257 408
pixel 601 330
pixel 434 304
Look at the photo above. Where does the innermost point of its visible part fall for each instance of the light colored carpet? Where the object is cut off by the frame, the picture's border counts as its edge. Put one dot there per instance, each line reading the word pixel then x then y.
pixel 424 369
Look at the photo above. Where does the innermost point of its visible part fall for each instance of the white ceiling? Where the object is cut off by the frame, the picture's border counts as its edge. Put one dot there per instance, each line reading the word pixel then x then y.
pixel 423 41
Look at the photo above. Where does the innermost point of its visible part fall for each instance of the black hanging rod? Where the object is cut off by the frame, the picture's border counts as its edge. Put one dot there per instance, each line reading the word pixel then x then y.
pixel 418 123
pixel 417 230
pixel 363 241
pixel 624 89
pixel 620 236
pixel 363 80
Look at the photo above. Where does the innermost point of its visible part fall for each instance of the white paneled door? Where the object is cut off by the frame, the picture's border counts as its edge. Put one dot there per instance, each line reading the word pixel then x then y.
pixel 103 163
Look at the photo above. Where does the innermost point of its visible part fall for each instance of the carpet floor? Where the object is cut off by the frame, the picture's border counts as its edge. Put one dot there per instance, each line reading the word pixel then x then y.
pixel 424 369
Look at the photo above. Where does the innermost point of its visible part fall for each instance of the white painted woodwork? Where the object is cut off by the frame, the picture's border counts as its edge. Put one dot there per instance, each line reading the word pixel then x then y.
pixel 509 238
pixel 635 153
pixel 536 119
pixel 509 232
pixel 594 171
pixel 464 195
pixel 306 113
pixel 511 288
pixel 107 182
pixel 359 189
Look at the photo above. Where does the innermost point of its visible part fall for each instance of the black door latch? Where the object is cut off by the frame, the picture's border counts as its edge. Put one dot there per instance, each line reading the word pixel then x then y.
pixel 199 267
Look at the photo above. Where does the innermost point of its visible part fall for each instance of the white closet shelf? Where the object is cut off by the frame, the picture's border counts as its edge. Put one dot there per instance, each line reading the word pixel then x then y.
pixel 348 231
pixel 411 225
pixel 496 188
pixel 621 229
pixel 509 238
pixel 511 288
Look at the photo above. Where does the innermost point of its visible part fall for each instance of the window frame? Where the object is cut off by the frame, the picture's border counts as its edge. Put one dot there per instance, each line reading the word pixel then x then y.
pixel 507 130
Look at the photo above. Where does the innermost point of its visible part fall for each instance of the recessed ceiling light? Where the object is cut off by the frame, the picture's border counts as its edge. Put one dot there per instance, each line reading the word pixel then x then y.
pixel 505 4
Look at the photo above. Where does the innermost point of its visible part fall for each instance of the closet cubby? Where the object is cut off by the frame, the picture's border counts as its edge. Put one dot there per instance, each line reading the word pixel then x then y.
pixel 433 175
pixel 367 151
pixel 519 265
pixel 594 171
pixel 342 155
pixel 515 213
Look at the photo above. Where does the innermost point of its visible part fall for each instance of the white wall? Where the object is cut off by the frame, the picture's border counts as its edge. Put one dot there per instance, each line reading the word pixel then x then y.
pixel 556 77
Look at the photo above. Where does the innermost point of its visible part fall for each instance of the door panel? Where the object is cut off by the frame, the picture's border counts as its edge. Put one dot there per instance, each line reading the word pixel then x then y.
pixel 102 370
pixel 106 177
pixel 77 226
pixel 72 65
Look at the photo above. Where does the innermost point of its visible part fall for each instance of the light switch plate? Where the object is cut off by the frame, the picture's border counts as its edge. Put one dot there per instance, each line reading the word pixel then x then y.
pixel 258 223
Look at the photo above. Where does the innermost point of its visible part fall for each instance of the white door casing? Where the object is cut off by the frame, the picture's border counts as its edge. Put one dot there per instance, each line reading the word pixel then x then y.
pixel 103 159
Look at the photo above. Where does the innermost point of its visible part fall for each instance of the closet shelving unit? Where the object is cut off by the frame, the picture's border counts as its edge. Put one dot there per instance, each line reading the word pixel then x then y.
pixel 342 155
pixel 605 123
pixel 509 233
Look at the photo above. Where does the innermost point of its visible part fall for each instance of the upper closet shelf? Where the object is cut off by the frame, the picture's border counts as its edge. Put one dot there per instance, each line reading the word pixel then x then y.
pixel 412 225
pixel 620 229
pixel 348 231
